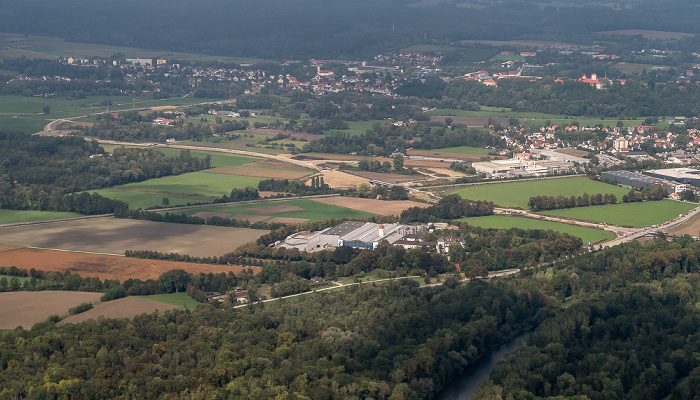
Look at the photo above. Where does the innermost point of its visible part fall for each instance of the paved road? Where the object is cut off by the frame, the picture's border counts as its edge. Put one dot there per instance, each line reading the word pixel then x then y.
pixel 618 230
pixel 637 233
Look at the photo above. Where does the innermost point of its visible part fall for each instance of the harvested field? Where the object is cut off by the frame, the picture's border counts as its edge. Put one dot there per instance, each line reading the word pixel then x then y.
pixel 690 227
pixel 274 164
pixel 337 179
pixel 28 308
pixel 288 220
pixel 573 152
pixel 257 172
pixel 439 154
pixel 445 171
pixel 252 218
pixel 425 164
pixel 209 214
pixel 114 236
pixel 127 307
pixel 275 132
pixel 390 178
pixel 470 121
pixel 276 209
pixel 382 207
pixel 103 266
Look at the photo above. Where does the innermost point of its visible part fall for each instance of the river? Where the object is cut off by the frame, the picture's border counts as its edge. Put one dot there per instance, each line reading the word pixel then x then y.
pixel 464 386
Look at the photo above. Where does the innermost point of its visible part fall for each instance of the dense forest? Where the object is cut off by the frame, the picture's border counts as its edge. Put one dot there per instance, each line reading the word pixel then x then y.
pixel 284 30
pixel 42 173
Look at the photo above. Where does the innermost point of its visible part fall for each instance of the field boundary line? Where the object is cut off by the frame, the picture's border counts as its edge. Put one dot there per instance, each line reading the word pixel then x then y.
pixel 233 203
pixel 48 221
pixel 76 251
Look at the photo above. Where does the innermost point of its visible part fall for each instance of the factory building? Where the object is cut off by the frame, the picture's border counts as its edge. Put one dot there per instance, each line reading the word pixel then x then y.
pixel 360 235
pixel 640 181
pixel 687 176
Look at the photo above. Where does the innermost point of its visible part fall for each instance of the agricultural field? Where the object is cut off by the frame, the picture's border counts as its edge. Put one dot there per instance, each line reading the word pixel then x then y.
pixel 148 199
pixel 355 128
pixel 28 308
pixel 181 300
pixel 464 150
pixel 127 307
pixel 114 236
pixel 217 159
pixel 105 266
pixel 507 222
pixel 299 210
pixel 245 143
pixel 18 216
pixel 647 213
pixel 195 183
pixel 517 194
pixel 690 227
pixel 381 207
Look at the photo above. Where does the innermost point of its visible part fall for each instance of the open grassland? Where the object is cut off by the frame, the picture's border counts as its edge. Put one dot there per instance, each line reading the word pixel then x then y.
pixel 145 199
pixel 463 150
pixel 28 308
pixel 25 114
pixel 302 208
pixel 181 300
pixel 196 183
pixel 217 159
pixel 44 46
pixel 517 194
pixel 355 127
pixel 105 266
pixel 127 307
pixel 630 214
pixel 506 222
pixel 17 216
pixel 114 236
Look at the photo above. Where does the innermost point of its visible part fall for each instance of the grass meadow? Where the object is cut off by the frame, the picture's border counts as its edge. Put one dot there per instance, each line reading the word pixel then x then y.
pixel 177 299
pixel 195 183
pixel 17 216
pixel 507 222
pixel 628 214
pixel 140 199
pixel 517 194
pixel 312 210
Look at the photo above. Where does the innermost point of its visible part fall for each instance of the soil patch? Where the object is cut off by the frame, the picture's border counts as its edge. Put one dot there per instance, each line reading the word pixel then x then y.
pixel 251 218
pixel 209 214
pixel 256 172
pixel 382 207
pixel 275 132
pixel 573 152
pixel 287 220
pixel 389 178
pixel 114 236
pixel 339 179
pixel 104 266
pixel 28 308
pixel 690 227
pixel 128 307
pixel 276 209
pixel 274 164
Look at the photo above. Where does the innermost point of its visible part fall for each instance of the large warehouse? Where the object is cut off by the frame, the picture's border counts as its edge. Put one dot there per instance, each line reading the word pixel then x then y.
pixel 640 181
pixel 688 176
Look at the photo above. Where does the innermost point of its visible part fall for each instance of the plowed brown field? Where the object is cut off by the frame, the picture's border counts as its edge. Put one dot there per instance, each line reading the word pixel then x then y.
pixel 28 308
pixel 103 266
pixel 127 307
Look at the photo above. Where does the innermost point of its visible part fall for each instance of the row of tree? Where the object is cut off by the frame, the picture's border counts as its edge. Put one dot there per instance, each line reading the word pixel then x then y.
pixel 544 202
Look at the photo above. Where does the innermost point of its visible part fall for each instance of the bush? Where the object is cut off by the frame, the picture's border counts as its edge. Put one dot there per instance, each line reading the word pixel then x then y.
pixel 80 308
pixel 114 293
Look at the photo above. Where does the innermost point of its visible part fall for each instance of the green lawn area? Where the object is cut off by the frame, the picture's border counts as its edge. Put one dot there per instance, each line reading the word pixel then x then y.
pixel 21 279
pixel 506 222
pixel 6 331
pixel 15 216
pixel 217 159
pixel 355 127
pixel 312 210
pixel 176 299
pixel 248 143
pixel 196 183
pixel 464 150
pixel 145 200
pixel 628 214
pixel 517 194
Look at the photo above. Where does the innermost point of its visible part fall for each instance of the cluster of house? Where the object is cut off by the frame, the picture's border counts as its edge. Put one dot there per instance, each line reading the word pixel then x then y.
pixel 367 235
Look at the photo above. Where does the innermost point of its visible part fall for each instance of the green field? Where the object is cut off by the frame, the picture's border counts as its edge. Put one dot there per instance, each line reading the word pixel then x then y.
pixel 176 299
pixel 312 210
pixel 630 214
pixel 517 194
pixel 144 200
pixel 25 114
pixel 464 150
pixel 17 216
pixel 195 183
pixel 355 127
pixel 217 159
pixel 506 222
pixel 21 279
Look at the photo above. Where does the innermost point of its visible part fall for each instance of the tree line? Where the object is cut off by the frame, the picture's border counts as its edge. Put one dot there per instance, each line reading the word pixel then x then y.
pixel 544 202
